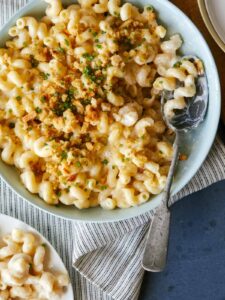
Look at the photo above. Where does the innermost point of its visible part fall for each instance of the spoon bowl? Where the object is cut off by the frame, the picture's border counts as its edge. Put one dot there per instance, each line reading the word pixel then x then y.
pixel 196 107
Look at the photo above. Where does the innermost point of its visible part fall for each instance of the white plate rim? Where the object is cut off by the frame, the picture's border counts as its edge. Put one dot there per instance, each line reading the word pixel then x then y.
pixel 7 223
pixel 214 20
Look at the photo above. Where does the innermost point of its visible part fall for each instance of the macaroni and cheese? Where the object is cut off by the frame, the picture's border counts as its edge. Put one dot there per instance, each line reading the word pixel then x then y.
pixel 22 269
pixel 80 113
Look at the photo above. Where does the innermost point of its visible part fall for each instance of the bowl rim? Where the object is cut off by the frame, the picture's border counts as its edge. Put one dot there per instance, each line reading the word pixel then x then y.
pixel 209 25
pixel 137 213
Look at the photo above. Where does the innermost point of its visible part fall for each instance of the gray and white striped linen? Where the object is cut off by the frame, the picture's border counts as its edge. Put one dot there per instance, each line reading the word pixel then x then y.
pixel 107 257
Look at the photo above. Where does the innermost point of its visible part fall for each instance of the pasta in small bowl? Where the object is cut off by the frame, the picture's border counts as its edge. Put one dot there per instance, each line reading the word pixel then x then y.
pixel 30 268
pixel 80 112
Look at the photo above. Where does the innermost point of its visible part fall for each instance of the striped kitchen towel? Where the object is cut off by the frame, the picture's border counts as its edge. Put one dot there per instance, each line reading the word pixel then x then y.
pixel 107 257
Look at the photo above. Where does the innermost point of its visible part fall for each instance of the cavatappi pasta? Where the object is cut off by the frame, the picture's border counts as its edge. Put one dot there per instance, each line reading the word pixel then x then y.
pixel 80 112
pixel 22 270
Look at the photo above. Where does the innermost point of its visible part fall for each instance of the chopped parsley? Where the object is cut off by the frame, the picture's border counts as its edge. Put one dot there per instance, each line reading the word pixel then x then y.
pixel 87 138
pixel 38 110
pixel 116 14
pixel 113 167
pixel 70 93
pixel 88 56
pixel 64 155
pixel 11 125
pixel 43 99
pixel 45 75
pixel 126 43
pixel 89 72
pixel 78 164
pixel 61 50
pixel 58 193
pixel 103 187
pixel 61 106
pixel 67 42
pixel 18 98
pixel 85 102
pixel 95 34
pixel 105 162
pixel 99 46
pixel 33 61
pixel 177 64
pixel 150 8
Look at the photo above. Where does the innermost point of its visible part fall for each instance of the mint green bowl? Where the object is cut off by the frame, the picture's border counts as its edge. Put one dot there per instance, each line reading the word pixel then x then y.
pixel 196 143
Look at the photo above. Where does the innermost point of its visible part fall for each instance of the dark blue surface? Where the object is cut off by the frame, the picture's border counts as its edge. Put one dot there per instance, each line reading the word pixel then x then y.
pixel 196 258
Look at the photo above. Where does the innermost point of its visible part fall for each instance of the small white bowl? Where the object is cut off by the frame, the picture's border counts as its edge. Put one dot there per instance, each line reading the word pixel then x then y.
pixel 196 143
pixel 54 262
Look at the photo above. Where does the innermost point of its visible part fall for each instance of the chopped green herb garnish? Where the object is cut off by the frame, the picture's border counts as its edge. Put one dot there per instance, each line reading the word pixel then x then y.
pixel 113 167
pixel 78 164
pixel 43 245
pixel 177 64
pixel 126 43
pixel 88 56
pixel 105 162
pixel 87 138
pixel 95 34
pixel 58 193
pixel 89 72
pixel 33 61
pixel 103 187
pixel 11 125
pixel 43 99
pixel 150 8
pixel 99 46
pixel 64 155
pixel 61 106
pixel 70 93
pixel 67 42
pixel 61 50
pixel 85 102
pixel 38 110
pixel 45 75
pixel 18 98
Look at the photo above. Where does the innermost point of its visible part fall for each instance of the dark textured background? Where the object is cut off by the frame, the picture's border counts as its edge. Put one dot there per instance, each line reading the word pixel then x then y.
pixel 196 258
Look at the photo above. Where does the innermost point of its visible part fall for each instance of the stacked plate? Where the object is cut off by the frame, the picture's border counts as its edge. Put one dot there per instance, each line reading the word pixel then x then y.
pixel 213 15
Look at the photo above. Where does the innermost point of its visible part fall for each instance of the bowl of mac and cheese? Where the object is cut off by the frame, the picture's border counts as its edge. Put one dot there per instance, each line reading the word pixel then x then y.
pixel 30 268
pixel 81 129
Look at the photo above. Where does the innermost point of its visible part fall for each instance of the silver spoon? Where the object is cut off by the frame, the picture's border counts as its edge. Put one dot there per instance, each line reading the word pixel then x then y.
pixel 155 253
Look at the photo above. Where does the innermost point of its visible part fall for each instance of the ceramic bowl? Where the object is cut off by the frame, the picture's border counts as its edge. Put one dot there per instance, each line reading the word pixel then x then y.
pixel 196 143
pixel 212 12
